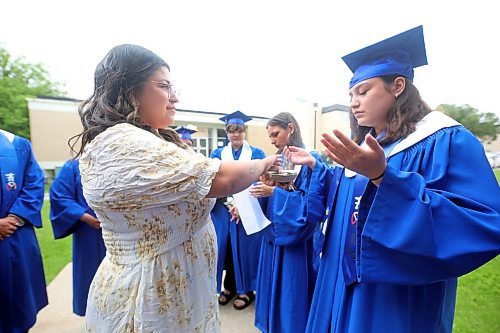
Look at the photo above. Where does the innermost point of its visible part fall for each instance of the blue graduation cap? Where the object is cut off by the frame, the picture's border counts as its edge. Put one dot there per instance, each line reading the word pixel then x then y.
pixel 397 55
pixel 186 131
pixel 237 117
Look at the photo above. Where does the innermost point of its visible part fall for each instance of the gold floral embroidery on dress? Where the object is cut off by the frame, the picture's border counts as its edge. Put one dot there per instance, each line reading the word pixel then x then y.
pixel 105 282
pixel 195 211
pixel 170 288
pixel 188 248
pixel 174 209
pixel 153 234
pixel 166 295
pixel 209 251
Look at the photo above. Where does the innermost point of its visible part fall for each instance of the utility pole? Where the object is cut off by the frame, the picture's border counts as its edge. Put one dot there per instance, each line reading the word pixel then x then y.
pixel 315 106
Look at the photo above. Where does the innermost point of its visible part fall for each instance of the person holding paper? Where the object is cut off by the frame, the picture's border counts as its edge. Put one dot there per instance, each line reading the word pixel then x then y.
pixel 238 250
pixel 287 270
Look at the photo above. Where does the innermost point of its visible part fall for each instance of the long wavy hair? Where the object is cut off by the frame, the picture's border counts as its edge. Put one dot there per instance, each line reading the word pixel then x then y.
pixel 282 120
pixel 118 78
pixel 408 109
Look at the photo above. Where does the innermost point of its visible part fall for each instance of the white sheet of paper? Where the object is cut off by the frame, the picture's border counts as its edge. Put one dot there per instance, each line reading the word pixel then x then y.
pixel 251 214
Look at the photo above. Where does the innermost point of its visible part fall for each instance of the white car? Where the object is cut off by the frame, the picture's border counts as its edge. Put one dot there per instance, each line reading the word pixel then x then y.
pixel 494 159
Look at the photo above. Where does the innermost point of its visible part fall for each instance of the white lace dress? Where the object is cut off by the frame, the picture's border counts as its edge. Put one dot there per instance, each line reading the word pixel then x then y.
pixel 159 271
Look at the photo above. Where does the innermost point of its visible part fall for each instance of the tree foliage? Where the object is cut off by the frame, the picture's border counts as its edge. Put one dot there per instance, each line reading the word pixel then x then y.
pixel 486 126
pixel 20 80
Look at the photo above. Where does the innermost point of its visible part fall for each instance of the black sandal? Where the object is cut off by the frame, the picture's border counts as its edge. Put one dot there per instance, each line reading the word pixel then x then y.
pixel 247 298
pixel 226 296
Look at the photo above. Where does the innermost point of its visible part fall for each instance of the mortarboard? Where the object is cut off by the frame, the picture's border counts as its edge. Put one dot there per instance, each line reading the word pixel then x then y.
pixel 397 55
pixel 237 117
pixel 186 131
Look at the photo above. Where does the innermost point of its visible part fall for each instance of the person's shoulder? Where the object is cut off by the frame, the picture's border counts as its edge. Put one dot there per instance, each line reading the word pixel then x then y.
pixel 216 153
pixel 10 136
pixel 123 134
pixel 21 143
pixel 71 164
pixel 257 150
pixel 126 130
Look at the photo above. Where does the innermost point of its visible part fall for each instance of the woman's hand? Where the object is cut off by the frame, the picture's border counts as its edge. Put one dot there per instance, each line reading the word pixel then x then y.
pixel 261 190
pixel 270 162
pixel 300 156
pixel 368 160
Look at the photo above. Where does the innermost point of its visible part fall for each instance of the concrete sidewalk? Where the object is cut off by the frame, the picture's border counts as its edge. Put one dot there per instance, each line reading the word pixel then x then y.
pixel 58 316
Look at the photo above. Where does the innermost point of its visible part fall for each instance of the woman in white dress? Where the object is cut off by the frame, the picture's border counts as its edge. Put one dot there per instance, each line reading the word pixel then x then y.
pixel 152 195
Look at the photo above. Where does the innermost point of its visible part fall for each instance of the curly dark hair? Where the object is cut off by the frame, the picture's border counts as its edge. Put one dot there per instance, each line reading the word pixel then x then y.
pixel 406 112
pixel 118 78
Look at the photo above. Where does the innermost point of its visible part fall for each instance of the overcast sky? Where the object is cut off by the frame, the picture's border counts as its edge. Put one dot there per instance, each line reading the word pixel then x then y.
pixel 261 56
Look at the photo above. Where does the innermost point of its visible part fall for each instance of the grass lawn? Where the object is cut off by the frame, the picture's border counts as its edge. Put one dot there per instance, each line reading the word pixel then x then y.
pixel 478 299
pixel 55 253
pixel 478 294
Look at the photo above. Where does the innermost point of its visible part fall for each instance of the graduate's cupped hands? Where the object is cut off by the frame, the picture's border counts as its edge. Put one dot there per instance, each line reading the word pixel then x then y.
pixel 261 190
pixel 367 159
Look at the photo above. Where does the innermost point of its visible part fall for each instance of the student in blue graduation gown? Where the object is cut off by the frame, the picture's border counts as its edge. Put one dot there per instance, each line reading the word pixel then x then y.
pixel 238 252
pixel 70 215
pixel 287 271
pixel 23 290
pixel 417 205
pixel 185 133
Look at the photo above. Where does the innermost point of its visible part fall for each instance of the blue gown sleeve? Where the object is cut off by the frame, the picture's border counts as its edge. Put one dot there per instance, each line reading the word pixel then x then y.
pixel 435 219
pixel 288 211
pixel 257 153
pixel 216 153
pixel 30 200
pixel 65 211
pixel 324 182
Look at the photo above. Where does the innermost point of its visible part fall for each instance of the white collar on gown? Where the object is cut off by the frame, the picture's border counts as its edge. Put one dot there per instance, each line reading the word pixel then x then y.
pixel 430 124
pixel 246 152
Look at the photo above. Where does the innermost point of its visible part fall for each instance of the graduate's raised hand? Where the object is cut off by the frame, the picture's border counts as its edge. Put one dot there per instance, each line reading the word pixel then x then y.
pixel 299 156
pixel 368 160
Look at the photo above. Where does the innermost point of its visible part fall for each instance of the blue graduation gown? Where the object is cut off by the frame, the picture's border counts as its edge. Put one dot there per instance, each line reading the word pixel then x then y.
pixel 245 248
pixel 434 217
pixel 23 290
pixel 287 271
pixel 67 205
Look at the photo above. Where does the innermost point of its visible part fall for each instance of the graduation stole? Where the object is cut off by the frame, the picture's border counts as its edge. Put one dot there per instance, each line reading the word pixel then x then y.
pixel 11 175
pixel 246 152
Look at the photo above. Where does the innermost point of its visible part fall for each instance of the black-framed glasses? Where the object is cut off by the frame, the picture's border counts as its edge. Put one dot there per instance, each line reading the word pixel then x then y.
pixel 169 88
